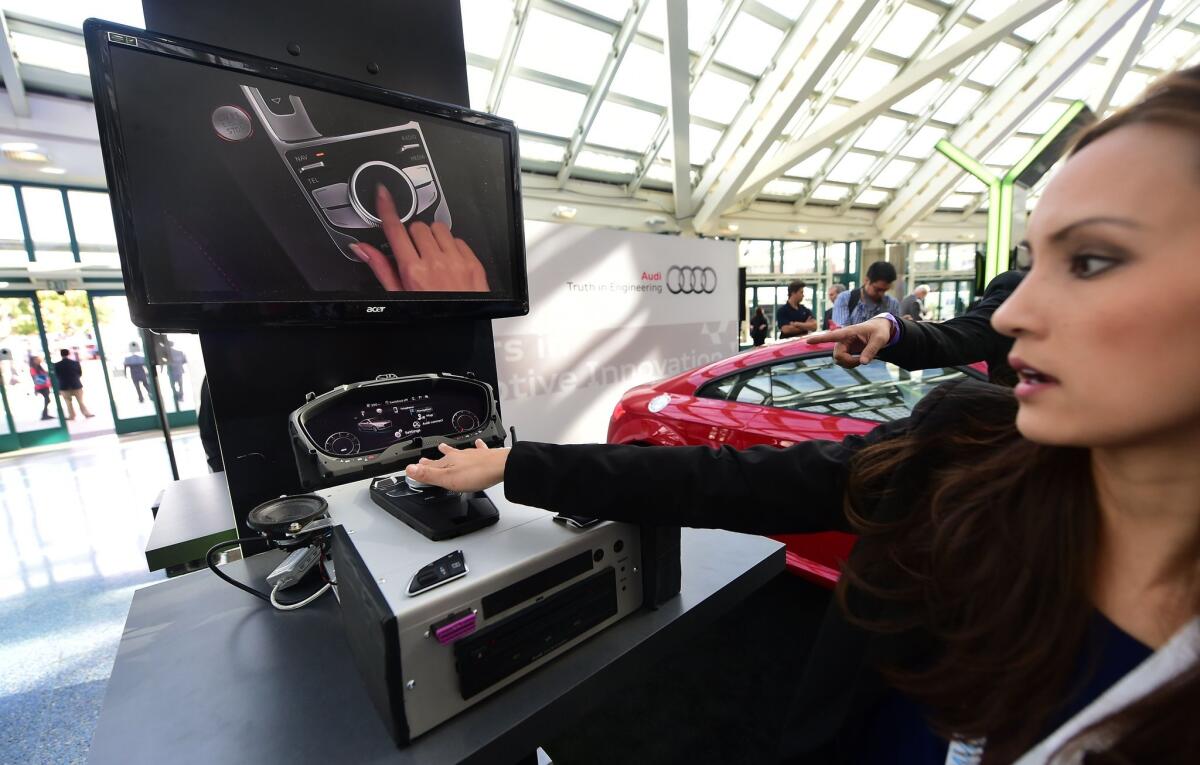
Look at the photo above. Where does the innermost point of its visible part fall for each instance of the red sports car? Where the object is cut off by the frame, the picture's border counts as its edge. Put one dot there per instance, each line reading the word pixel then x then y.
pixel 777 395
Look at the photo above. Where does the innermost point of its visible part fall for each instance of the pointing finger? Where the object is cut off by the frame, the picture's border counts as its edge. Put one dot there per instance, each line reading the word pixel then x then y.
pixel 393 229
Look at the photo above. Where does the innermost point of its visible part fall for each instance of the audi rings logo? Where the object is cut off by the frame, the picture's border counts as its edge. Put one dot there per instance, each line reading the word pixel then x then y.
pixel 691 280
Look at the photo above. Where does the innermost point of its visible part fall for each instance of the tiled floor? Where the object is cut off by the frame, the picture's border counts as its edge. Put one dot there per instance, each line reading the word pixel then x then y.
pixel 73 527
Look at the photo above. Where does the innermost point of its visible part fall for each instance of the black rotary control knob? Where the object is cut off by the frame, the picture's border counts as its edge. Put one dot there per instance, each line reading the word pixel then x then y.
pixel 364 185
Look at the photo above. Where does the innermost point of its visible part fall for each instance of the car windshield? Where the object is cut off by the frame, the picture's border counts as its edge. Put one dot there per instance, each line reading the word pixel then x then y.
pixel 877 392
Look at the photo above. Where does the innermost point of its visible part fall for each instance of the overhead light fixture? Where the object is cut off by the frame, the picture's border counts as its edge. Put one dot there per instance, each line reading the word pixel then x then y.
pixel 798 229
pixel 18 146
pixel 52 170
pixel 654 221
pixel 923 246
pixel 968 235
pixel 564 212
pixel 733 227
pixel 26 156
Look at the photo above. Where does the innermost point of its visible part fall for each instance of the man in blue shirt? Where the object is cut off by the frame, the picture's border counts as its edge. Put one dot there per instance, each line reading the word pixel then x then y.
pixel 870 300
pixel 792 318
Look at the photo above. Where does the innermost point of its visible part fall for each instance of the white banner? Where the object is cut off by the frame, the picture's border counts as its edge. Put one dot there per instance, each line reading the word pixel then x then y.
pixel 609 310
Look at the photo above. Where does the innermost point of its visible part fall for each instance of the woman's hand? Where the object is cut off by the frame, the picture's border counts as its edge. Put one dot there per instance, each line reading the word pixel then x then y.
pixel 426 258
pixel 856 344
pixel 462 469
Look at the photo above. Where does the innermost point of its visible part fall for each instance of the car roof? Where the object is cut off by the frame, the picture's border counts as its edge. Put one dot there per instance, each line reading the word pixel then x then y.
pixel 766 354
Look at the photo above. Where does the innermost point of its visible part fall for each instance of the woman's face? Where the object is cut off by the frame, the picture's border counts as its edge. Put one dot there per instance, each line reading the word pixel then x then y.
pixel 1107 322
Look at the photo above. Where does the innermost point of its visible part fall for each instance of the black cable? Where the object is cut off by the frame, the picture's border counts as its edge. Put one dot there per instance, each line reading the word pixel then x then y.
pixel 212 566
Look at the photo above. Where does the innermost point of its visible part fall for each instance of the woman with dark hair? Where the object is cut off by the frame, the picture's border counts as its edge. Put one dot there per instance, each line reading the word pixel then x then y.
pixel 1026 586
pixel 41 384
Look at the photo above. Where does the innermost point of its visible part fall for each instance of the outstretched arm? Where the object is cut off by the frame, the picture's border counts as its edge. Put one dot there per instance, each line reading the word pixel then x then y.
pixel 761 490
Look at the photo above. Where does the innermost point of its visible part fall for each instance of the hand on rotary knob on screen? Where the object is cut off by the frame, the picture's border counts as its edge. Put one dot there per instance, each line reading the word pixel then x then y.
pixel 424 258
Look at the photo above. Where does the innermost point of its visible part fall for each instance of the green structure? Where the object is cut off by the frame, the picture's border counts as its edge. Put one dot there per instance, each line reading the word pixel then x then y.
pixel 1001 189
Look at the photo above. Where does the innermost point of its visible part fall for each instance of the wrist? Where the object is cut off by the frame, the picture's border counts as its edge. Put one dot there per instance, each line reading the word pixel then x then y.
pixel 500 457
pixel 893 328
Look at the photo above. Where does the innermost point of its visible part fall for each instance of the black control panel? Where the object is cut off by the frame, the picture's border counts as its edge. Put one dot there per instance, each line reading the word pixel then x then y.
pixel 343 176
pixel 508 646
pixel 434 512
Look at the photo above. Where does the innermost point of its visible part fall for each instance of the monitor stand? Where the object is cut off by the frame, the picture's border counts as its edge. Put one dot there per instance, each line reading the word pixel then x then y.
pixel 434 512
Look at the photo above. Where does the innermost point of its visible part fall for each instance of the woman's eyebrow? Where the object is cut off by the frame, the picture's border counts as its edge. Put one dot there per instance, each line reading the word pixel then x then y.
pixel 1065 231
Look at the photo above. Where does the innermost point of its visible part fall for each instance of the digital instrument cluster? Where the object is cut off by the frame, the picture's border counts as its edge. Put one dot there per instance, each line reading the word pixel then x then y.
pixel 389 421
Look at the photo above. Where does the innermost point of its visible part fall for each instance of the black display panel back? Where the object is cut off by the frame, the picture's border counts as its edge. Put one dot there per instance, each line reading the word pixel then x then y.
pixel 247 192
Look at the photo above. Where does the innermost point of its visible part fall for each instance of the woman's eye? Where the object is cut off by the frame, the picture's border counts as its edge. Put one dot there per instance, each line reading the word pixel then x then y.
pixel 1091 265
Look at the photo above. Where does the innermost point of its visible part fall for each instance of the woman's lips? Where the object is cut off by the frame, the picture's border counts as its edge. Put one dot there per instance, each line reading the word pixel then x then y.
pixel 1032 379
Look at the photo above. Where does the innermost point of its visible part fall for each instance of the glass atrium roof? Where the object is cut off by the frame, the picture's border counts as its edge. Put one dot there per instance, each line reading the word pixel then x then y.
pixel 815 103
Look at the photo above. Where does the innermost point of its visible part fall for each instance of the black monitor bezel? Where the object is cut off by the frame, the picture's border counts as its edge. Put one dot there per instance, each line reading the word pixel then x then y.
pixel 186 317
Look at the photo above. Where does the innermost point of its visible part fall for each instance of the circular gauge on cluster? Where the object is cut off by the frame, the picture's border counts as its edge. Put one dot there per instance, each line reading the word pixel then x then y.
pixel 342 444
pixel 464 420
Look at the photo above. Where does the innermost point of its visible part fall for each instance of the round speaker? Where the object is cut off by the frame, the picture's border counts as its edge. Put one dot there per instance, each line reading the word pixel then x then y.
pixel 275 516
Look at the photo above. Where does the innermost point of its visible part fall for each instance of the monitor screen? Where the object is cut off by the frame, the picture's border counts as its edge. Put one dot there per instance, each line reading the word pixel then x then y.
pixel 246 191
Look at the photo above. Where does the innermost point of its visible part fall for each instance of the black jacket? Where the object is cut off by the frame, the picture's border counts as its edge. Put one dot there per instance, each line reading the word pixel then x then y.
pixel 962 340
pixel 756 491
pixel 69 374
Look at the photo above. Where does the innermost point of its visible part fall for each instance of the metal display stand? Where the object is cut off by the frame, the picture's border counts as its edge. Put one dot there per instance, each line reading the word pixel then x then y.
pixel 257 376
pixel 223 679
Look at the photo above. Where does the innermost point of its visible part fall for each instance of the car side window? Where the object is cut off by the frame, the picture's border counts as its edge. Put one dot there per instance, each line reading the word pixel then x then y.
pixel 877 392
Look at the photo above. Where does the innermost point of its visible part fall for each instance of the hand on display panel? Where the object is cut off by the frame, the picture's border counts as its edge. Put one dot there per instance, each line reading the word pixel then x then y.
pixel 462 470
pixel 424 258
pixel 856 344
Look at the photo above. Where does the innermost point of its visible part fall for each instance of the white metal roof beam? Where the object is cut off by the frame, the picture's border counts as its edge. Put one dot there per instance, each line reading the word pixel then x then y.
pixel 814 43
pixel 932 40
pixel 678 107
pixel 621 43
pixel 720 29
pixel 898 145
pixel 508 54
pixel 981 38
pixel 1088 25
pixel 10 69
pixel 845 67
pixel 608 26
pixel 1129 44
pixel 1172 24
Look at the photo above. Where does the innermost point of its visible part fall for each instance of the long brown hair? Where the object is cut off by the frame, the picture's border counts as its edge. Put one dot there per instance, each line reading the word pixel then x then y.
pixel 993 568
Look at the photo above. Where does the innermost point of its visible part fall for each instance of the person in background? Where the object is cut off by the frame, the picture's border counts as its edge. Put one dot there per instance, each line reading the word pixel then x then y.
pixel 913 306
pixel 206 421
pixel 70 384
pixel 833 292
pixel 793 318
pixel 135 370
pixel 175 361
pixel 759 326
pixel 41 384
pixel 870 300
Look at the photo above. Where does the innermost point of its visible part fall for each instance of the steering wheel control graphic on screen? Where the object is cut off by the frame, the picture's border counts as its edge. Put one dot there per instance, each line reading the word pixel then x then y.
pixel 339 175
